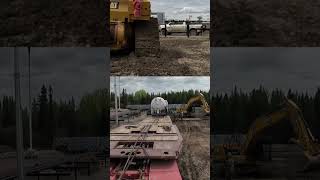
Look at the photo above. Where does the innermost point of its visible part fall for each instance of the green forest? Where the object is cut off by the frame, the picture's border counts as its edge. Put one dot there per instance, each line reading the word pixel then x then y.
pixel 233 113
pixel 143 97
pixel 52 118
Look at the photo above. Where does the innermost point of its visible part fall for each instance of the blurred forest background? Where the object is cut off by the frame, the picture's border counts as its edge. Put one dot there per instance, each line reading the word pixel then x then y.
pixel 143 97
pixel 234 112
pixel 52 118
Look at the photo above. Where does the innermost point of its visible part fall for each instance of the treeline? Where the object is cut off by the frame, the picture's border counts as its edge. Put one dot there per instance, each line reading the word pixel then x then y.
pixel 143 97
pixel 51 118
pixel 234 113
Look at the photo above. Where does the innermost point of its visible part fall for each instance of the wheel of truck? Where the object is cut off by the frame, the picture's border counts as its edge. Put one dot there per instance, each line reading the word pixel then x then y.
pixel 163 32
pixel 193 32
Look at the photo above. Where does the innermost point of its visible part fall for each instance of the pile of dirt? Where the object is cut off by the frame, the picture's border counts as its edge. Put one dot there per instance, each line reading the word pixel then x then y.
pixel 54 23
pixel 265 23
pixel 194 160
pixel 179 56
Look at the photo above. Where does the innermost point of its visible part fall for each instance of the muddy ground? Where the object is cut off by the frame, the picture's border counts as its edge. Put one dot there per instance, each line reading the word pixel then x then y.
pixel 265 23
pixel 50 158
pixel 179 56
pixel 194 161
pixel 54 23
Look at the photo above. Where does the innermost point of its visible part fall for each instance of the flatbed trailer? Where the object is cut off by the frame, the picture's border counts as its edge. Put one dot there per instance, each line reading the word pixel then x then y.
pixel 147 150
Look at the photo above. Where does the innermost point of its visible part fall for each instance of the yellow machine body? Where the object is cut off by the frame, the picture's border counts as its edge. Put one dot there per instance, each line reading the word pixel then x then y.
pixel 290 111
pixel 122 17
pixel 200 97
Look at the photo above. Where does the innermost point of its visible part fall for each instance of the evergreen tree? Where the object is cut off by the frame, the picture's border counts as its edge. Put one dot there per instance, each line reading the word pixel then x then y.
pixel 43 107
pixel 51 126
pixel 229 110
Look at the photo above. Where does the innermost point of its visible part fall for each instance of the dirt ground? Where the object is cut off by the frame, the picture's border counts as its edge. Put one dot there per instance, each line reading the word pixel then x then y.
pixel 49 158
pixel 194 162
pixel 287 162
pixel 54 23
pixel 179 56
pixel 265 23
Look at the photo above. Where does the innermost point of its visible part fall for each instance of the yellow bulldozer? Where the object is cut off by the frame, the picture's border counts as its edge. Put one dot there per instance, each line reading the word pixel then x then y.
pixel 132 27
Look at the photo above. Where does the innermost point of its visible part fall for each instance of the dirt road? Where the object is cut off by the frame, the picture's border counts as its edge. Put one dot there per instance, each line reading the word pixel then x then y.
pixel 194 162
pixel 179 56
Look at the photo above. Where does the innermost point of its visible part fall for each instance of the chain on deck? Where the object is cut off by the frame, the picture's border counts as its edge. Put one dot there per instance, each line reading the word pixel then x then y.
pixel 136 147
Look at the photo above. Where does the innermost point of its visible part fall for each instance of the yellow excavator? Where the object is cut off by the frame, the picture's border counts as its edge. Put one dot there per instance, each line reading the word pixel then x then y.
pixel 199 98
pixel 242 154
pixel 132 27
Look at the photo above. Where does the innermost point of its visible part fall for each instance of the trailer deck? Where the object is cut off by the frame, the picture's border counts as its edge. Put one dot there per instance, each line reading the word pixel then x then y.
pixel 146 150
pixel 162 139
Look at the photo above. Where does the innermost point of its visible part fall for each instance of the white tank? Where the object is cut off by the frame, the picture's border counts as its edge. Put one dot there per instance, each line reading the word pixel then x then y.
pixel 159 105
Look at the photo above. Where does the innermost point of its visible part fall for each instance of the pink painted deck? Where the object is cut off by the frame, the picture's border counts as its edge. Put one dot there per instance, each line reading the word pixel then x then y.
pixel 163 140
pixel 157 170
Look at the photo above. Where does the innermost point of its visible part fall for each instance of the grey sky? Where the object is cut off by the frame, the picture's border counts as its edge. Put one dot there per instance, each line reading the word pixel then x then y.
pixel 158 84
pixel 70 71
pixel 182 9
pixel 248 68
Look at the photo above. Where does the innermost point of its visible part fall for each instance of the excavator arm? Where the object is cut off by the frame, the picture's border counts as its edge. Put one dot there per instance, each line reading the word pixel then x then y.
pixel 303 134
pixel 259 125
pixel 291 112
pixel 201 98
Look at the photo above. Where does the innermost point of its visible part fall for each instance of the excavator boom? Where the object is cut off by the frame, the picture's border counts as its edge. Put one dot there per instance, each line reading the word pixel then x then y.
pixel 200 97
pixel 259 125
pixel 290 111
pixel 242 155
pixel 304 136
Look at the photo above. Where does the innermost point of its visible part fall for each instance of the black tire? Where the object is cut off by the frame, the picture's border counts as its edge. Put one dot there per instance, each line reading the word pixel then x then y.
pixel 163 32
pixel 193 32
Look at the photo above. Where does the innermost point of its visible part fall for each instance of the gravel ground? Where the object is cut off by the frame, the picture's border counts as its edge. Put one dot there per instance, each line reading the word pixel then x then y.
pixel 54 23
pixel 179 56
pixel 265 23
pixel 49 158
pixel 287 163
pixel 194 162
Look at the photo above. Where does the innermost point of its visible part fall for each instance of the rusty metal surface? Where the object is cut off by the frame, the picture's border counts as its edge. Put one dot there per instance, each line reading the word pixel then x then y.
pixel 163 138
pixel 158 169
pixel 165 170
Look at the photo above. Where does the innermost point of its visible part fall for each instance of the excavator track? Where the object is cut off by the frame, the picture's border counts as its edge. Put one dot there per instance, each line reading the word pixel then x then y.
pixel 147 43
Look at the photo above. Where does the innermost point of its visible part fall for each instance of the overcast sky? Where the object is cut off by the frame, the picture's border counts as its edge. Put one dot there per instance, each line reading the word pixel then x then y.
pixel 182 9
pixel 70 71
pixel 156 84
pixel 248 68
